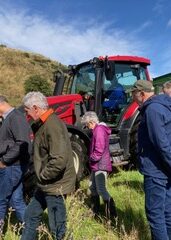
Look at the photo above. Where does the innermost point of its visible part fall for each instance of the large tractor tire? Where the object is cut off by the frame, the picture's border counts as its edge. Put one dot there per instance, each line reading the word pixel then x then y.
pixel 80 156
pixel 133 163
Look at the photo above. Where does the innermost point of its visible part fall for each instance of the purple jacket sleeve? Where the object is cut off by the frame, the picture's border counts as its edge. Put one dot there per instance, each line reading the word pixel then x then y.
pixel 98 144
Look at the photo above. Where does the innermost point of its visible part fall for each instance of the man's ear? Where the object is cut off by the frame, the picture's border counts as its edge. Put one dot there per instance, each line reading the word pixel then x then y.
pixel 35 107
pixel 142 93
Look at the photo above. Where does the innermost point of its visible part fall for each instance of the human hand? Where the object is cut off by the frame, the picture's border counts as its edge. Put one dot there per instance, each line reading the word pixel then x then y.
pixel 2 165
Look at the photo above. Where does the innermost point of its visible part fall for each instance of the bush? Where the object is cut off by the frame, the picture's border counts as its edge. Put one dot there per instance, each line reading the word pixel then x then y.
pixel 37 83
pixel 3 45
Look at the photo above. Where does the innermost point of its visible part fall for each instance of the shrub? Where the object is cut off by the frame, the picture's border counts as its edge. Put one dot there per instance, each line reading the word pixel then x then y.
pixel 3 46
pixel 38 83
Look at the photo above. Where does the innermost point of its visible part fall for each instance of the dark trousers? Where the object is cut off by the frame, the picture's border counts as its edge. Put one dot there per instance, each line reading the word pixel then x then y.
pixel 158 207
pixel 11 191
pixel 56 215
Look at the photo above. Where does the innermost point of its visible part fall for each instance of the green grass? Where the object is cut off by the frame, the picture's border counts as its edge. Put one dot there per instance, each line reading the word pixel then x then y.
pixel 126 189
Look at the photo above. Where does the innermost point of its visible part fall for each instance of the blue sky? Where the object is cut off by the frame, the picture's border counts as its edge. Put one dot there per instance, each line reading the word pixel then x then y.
pixel 74 31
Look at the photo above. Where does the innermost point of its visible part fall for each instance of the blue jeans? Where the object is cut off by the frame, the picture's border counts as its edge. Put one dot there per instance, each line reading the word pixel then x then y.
pixel 11 191
pixel 56 215
pixel 97 184
pixel 158 207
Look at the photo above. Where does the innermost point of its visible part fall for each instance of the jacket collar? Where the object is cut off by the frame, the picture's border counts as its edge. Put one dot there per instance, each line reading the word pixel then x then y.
pixel 45 115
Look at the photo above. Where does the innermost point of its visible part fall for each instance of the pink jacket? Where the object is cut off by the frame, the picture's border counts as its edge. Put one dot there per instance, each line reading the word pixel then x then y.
pixel 99 149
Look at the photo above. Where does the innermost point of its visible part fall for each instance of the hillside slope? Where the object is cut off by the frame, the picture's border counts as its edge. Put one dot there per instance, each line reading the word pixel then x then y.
pixel 16 66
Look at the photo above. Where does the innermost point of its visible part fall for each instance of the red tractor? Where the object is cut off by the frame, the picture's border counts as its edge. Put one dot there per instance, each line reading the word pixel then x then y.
pixel 101 85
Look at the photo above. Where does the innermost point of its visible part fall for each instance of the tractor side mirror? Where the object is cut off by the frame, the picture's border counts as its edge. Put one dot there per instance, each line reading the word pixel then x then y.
pixel 109 69
pixel 58 78
pixel 57 75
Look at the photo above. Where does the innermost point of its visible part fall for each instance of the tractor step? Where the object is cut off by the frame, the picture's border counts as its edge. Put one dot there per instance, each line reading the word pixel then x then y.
pixel 118 160
pixel 117 152
pixel 114 138
pixel 119 163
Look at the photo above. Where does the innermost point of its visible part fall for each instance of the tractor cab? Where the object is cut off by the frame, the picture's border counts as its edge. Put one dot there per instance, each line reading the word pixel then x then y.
pixel 103 84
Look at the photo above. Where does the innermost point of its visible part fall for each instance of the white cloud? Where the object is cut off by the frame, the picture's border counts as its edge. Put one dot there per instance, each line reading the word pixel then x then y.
pixel 159 6
pixel 169 23
pixel 64 41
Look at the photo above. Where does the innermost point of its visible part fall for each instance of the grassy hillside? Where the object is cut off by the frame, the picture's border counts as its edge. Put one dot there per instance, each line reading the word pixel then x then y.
pixel 16 66
pixel 126 189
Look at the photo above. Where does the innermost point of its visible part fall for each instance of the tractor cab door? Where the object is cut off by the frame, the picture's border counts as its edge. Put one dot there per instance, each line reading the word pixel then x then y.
pixel 84 83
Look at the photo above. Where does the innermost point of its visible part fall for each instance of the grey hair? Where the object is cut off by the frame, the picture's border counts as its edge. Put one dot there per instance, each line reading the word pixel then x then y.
pixel 3 99
pixel 167 84
pixel 89 116
pixel 35 99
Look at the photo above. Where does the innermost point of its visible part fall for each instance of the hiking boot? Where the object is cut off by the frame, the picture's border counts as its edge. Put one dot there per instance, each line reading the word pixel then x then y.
pixel 95 204
pixel 110 209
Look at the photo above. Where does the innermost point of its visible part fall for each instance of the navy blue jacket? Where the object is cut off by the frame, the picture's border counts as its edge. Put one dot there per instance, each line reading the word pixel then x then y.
pixel 154 137
pixel 15 144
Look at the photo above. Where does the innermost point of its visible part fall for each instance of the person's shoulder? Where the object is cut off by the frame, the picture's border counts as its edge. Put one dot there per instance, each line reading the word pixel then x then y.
pixel 160 101
pixel 54 119
pixel 16 114
pixel 100 127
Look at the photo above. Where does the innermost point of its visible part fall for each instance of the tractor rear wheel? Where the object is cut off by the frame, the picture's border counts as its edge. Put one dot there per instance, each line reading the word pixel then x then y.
pixel 80 156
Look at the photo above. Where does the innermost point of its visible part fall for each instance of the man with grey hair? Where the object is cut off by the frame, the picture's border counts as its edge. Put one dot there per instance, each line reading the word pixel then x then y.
pixel 167 88
pixel 54 167
pixel 15 148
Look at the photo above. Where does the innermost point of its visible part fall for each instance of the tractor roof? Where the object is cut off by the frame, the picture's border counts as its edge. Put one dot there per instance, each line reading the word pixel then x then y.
pixel 127 59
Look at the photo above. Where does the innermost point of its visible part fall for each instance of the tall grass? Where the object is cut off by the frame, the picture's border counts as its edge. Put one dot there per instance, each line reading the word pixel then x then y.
pixel 126 189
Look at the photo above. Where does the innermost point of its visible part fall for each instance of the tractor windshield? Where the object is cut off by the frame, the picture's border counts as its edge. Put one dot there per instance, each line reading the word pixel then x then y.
pixel 125 75
pixel 84 80
pixel 114 96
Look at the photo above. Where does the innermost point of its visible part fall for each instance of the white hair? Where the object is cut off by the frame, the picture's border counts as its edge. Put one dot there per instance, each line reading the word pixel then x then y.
pixel 35 99
pixel 89 116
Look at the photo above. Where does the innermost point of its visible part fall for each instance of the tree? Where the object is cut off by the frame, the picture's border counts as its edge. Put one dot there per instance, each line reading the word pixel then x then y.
pixel 38 83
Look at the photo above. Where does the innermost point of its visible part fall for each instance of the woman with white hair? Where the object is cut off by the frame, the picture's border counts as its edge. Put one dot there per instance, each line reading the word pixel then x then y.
pixel 100 164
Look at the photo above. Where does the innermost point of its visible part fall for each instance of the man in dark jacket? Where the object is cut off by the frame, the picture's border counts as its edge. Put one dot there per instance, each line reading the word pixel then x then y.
pixel 54 168
pixel 154 148
pixel 15 149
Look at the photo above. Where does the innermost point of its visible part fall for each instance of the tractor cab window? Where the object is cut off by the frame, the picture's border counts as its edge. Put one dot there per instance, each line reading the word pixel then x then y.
pixel 84 84
pixel 116 96
pixel 125 75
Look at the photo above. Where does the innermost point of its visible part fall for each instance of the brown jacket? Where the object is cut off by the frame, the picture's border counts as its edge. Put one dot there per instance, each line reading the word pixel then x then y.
pixel 53 159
